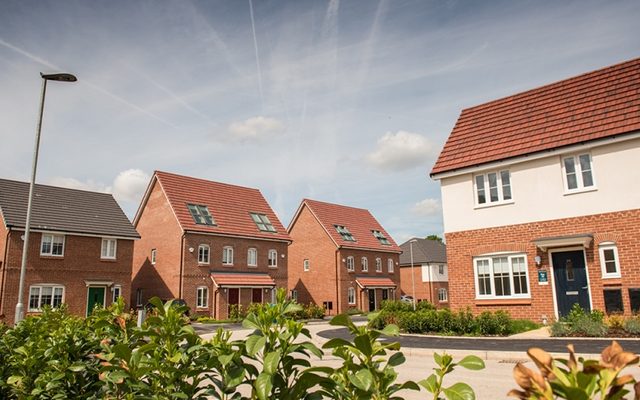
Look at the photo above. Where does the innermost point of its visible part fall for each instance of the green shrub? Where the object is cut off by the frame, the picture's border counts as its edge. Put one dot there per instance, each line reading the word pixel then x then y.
pixel 522 325
pixel 560 329
pixel 395 306
pixel 463 322
pixel 632 325
pixel 424 306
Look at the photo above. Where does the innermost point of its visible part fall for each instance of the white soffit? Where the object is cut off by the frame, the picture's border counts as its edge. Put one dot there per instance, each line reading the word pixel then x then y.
pixel 564 241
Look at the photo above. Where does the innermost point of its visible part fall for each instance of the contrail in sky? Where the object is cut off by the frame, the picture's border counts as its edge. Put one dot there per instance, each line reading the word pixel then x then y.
pixel 255 45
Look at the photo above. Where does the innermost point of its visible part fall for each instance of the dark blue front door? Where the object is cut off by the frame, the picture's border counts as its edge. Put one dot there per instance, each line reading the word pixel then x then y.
pixel 570 278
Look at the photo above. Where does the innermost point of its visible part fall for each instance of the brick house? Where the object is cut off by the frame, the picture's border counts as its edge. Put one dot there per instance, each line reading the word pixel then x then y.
pixel 541 198
pixel 429 271
pixel 341 257
pixel 80 249
pixel 212 244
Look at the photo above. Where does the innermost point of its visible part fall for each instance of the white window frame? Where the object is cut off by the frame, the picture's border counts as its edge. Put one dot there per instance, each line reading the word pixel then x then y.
pixel 139 297
pixel 39 288
pixel 294 295
pixel 351 264
pixel 351 295
pixel 252 257
pixel 154 255
pixel 364 264
pixel 52 237
pixel 306 265
pixel 204 254
pixel 390 266
pixel 443 296
pixel 202 297
pixel 441 269
pixel 378 264
pixel 609 246
pixel 578 171
pixel 272 259
pixel 109 246
pixel 487 191
pixel 116 292
pixel 227 255
pixel 510 257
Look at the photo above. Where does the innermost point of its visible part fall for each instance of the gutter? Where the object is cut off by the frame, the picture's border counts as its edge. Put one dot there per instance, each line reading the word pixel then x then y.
pixel 4 267
pixel 181 266
pixel 338 264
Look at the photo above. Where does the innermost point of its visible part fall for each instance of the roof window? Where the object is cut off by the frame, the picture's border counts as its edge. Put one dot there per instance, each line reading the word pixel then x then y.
pixel 344 232
pixel 263 223
pixel 381 238
pixel 200 214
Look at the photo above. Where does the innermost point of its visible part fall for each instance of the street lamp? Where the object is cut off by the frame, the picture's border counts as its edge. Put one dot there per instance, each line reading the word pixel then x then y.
pixel 413 278
pixel 23 267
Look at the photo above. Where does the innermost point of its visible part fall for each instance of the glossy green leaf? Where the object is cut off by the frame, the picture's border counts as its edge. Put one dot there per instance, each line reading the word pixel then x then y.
pixel 431 383
pixel 471 362
pixel 459 391
pixel 263 386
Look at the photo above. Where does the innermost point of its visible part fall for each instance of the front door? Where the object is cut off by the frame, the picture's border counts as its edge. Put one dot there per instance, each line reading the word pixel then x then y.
pixel 256 295
pixel 385 294
pixel 95 297
pixel 372 299
pixel 570 278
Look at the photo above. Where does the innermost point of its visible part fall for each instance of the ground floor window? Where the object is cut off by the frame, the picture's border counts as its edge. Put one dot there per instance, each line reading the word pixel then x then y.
pixel 117 292
pixel 202 297
pixel 442 295
pixel 45 295
pixel 294 295
pixel 351 295
pixel 501 276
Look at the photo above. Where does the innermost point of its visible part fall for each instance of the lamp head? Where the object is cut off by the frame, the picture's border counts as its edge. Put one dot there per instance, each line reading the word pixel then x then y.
pixel 59 77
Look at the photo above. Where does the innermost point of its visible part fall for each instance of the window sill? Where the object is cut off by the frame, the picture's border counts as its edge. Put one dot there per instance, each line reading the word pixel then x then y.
pixel 494 204
pixel 252 266
pixel 108 260
pixel 502 302
pixel 611 281
pixel 51 257
pixel 273 266
pixel 227 265
pixel 581 190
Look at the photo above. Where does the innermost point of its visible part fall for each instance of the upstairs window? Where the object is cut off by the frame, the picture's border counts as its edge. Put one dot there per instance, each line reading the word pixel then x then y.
pixel 200 214
pixel 378 264
pixel 493 188
pixel 263 223
pixel 108 249
pixel 203 254
pixel 52 245
pixel 344 232
pixel 273 259
pixel 227 255
pixel 390 265
pixel 305 265
pixel 252 257
pixel 381 238
pixel 364 262
pixel 351 263
pixel 153 256
pixel 578 172
pixel 609 260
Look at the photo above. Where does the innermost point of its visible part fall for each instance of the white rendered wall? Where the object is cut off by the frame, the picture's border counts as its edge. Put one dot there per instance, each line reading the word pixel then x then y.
pixel 436 276
pixel 538 190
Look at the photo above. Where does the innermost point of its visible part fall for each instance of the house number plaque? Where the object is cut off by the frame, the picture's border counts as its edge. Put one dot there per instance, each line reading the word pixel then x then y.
pixel 543 277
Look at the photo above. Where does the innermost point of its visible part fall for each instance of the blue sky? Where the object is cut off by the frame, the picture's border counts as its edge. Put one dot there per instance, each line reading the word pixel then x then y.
pixel 340 101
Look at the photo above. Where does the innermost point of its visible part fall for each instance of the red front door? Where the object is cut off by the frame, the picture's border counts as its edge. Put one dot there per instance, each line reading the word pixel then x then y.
pixel 233 298
pixel 256 296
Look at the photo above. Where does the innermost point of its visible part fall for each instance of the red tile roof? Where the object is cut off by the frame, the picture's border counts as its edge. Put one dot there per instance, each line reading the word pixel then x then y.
pixel 358 221
pixel 591 106
pixel 238 279
pixel 369 282
pixel 229 205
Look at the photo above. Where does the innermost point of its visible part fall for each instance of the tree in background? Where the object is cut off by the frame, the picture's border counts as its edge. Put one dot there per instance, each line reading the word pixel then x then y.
pixel 434 237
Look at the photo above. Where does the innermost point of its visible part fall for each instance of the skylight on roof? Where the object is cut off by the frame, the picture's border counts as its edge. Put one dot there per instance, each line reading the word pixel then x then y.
pixel 201 214
pixel 381 238
pixel 263 223
pixel 344 232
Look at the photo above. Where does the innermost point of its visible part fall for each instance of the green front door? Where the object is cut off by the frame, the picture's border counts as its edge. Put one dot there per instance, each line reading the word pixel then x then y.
pixel 95 297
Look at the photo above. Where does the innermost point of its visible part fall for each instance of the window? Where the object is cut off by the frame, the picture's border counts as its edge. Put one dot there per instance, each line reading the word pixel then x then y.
pixel 493 188
pixel 273 259
pixel 263 223
pixel 351 263
pixel 344 232
pixel 294 295
pixel 108 249
pixel 442 295
pixel 153 256
pixel 390 265
pixel 578 172
pixel 305 265
pixel 252 257
pixel 609 260
pixel 202 297
pixel 378 264
pixel 117 292
pixel 52 245
pixel 364 263
pixel 203 254
pixel 138 297
pixel 45 295
pixel 351 295
pixel 381 238
pixel 200 214
pixel 501 276
pixel 227 255
pixel 441 269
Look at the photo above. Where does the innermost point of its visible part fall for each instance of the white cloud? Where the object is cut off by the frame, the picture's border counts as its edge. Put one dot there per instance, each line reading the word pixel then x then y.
pixel 256 127
pixel 130 185
pixel 401 150
pixel 426 207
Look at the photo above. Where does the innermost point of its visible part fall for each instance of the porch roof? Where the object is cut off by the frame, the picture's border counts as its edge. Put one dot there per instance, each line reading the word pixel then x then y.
pixel 583 240
pixel 366 282
pixel 240 279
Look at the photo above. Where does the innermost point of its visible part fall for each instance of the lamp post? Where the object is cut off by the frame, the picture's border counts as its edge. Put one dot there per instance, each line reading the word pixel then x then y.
pixel 413 278
pixel 23 266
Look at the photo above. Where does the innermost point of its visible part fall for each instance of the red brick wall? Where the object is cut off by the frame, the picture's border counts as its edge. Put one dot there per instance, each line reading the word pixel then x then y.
pixel 425 291
pixel 199 275
pixel 159 230
pixel 3 248
pixel 621 227
pixel 81 262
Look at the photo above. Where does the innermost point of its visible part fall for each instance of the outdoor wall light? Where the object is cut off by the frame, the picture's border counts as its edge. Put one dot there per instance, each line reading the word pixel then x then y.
pixel 191 249
pixel 538 260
